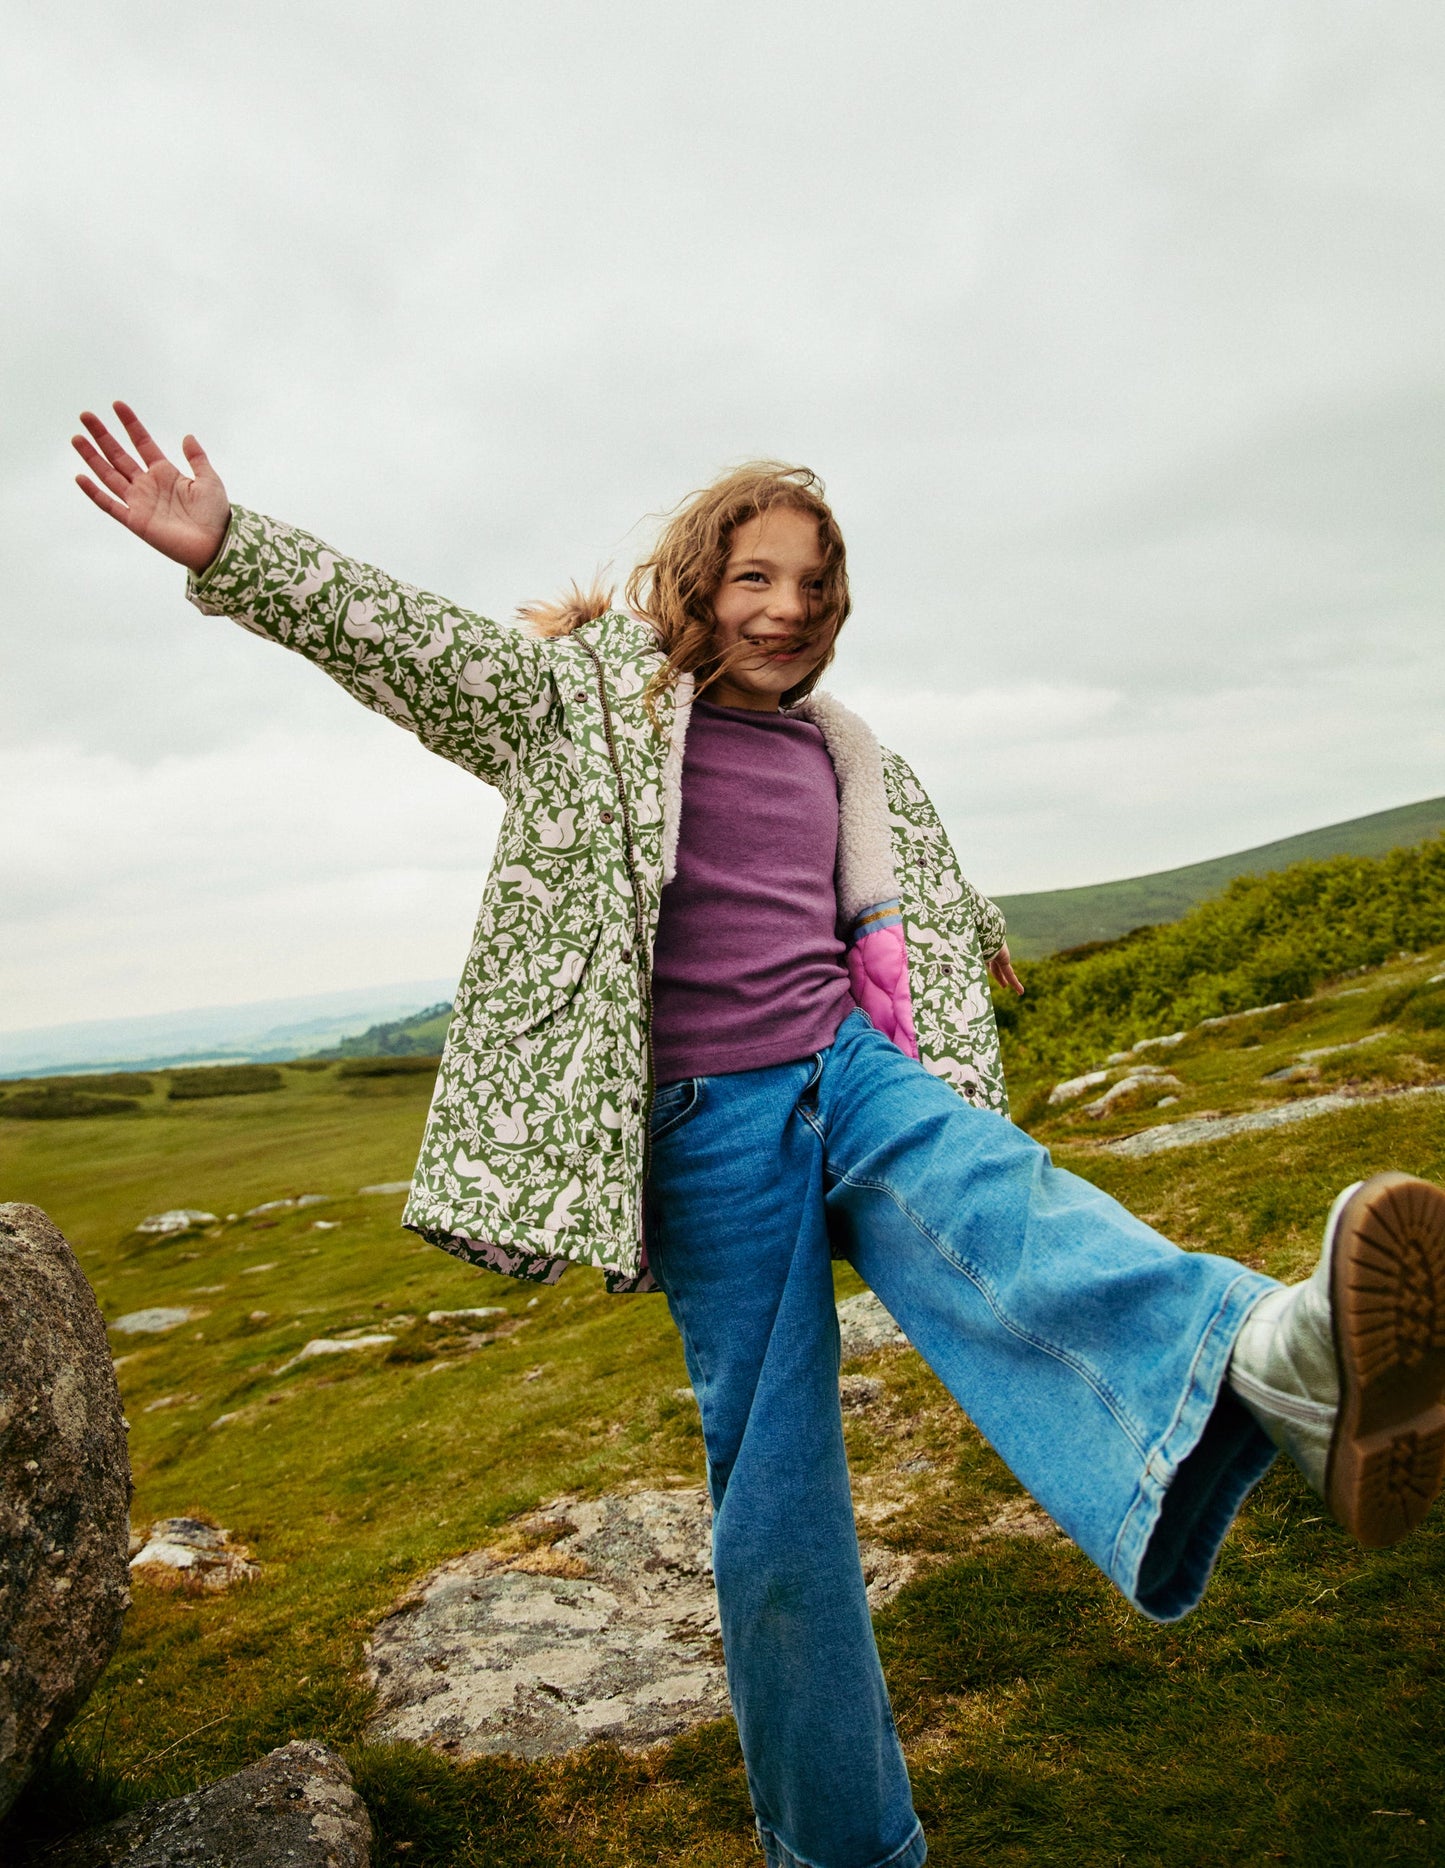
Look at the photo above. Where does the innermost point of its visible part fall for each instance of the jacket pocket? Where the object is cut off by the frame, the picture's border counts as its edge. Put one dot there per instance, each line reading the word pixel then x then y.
pixel 540 984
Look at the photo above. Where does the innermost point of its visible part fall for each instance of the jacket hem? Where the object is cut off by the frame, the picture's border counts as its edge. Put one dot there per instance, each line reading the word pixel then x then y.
pixel 532 1267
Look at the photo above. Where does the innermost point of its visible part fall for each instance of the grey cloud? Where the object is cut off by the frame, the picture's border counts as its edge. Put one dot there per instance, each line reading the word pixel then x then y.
pixel 1115 335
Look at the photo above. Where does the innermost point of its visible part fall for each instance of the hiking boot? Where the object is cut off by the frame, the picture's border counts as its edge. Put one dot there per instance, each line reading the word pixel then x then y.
pixel 1346 1372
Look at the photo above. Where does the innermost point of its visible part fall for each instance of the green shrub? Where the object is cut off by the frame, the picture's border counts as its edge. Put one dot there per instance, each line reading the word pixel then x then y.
pixel 223 1080
pixel 105 1083
pixel 1265 938
pixel 387 1066
pixel 51 1105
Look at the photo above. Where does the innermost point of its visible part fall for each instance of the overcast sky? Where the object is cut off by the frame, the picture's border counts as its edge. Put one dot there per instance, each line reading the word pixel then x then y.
pixel 1116 332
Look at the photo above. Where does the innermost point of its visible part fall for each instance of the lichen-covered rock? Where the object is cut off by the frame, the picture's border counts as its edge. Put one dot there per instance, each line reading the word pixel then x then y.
pixel 864 1325
pixel 600 1624
pixel 64 1492
pixel 295 1808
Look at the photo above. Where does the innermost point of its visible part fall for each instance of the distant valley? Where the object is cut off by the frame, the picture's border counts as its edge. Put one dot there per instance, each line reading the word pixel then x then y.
pixel 410 1018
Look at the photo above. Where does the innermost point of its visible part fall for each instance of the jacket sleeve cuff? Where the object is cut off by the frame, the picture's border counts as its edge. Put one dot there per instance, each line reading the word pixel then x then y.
pixel 215 589
pixel 992 928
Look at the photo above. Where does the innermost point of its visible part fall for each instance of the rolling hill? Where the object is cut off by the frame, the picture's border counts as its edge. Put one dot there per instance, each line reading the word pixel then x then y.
pixel 1054 919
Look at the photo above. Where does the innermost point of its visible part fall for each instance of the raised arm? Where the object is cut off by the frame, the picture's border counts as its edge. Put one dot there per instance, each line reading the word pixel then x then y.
pixel 474 691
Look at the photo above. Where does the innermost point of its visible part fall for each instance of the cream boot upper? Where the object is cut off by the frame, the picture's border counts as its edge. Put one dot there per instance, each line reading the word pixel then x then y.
pixel 1284 1368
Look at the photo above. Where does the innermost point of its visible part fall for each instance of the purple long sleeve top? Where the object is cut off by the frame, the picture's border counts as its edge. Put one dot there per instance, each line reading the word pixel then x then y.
pixel 748 968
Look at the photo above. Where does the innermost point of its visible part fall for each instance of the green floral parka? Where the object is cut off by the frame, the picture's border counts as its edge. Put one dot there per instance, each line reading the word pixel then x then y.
pixel 535 1150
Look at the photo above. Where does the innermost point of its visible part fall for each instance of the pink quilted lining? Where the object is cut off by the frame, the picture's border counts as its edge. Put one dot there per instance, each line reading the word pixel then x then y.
pixel 878 973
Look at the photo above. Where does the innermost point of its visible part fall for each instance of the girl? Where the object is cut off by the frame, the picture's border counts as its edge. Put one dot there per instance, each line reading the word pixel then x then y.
pixel 725 1015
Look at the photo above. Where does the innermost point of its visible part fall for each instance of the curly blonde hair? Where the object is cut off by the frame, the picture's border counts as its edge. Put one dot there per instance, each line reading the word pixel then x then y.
pixel 674 586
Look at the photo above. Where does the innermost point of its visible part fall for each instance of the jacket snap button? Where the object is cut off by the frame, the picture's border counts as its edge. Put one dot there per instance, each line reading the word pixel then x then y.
pixel 945 968
pixel 607 817
pixel 581 694
pixel 636 1104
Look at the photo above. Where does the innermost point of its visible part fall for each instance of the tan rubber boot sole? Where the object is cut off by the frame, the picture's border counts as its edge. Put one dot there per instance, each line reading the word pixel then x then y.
pixel 1387 1293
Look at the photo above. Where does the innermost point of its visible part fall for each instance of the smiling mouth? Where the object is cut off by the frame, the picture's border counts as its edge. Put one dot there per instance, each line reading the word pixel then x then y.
pixel 776 651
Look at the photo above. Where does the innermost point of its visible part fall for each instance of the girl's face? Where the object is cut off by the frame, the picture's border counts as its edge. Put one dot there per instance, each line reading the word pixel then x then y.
pixel 768 596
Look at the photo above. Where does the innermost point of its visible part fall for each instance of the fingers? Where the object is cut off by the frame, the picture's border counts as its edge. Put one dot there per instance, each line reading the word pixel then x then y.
pixel 197 459
pixel 1001 972
pixel 99 466
pixel 140 436
pixel 119 460
pixel 106 504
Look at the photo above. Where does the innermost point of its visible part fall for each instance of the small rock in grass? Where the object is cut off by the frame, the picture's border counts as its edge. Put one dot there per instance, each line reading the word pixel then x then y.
pixel 198 1552
pixel 325 1225
pixel 313 1199
pixel 178 1219
pixel 534 1375
pixel 1333 1050
pixel 1130 1088
pixel 333 1346
pixel 859 1390
pixel 156 1321
pixel 1229 1018
pixel 479 1310
pixel 864 1325
pixel 1166 1102
pixel 1166 1043
pixel 258 1316
pixel 266 1206
pixel 1293 1073
pixel 295 1806
pixel 1116 1057
pixel 248 1271
pixel 1075 1086
pixel 387 1186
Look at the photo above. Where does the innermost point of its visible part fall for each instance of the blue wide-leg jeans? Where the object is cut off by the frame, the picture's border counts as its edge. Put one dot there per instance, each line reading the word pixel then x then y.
pixel 1087 1349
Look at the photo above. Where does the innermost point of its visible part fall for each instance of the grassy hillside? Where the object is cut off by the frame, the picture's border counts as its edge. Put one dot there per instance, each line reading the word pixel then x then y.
pixel 1044 923
pixel 421 1035
pixel 1264 939
pixel 1294 1718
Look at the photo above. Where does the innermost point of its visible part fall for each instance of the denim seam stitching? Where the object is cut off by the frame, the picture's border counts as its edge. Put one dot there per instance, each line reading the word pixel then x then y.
pixel 1184 1400
pixel 1110 1401
pixel 674 1119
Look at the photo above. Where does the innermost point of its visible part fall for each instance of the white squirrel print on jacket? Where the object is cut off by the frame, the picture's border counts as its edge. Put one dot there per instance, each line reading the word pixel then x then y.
pixel 535 1150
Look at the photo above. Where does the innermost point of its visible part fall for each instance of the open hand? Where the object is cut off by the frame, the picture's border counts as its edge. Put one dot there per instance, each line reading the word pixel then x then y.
pixel 1001 971
pixel 183 519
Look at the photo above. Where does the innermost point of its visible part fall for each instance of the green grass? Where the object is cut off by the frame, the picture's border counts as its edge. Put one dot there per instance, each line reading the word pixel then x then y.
pixel 1045 1723
pixel 1052 919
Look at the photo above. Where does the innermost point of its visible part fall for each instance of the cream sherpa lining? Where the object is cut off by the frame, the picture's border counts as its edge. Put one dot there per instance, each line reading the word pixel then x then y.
pixel 865 843
pixel 672 776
